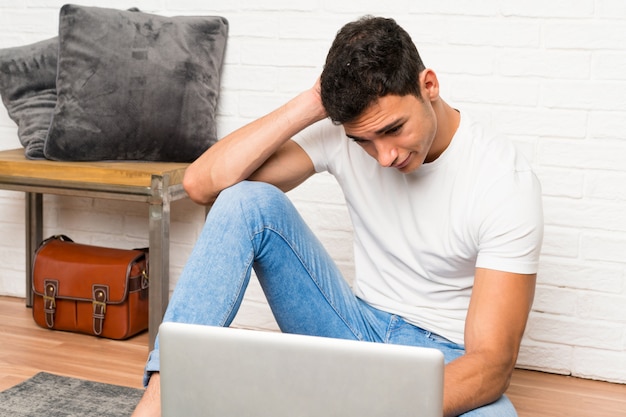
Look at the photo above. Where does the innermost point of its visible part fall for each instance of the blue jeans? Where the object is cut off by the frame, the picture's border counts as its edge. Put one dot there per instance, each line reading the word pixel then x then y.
pixel 254 225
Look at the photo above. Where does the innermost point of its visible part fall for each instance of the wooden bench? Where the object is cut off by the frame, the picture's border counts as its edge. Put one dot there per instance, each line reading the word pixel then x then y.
pixel 154 183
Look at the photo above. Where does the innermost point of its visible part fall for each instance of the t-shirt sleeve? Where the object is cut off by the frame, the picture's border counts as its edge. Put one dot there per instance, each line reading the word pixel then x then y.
pixel 511 229
pixel 320 142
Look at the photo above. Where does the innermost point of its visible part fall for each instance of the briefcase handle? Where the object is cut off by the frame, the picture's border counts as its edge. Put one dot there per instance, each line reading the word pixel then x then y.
pixel 62 238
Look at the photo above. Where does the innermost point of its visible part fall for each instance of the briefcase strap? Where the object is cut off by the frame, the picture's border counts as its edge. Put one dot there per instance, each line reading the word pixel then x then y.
pixel 100 298
pixel 51 290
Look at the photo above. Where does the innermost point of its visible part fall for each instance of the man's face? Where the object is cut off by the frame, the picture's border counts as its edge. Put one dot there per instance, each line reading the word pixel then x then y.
pixel 397 131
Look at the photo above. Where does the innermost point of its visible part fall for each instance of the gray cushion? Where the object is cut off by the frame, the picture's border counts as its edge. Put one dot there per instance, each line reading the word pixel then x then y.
pixel 135 86
pixel 27 87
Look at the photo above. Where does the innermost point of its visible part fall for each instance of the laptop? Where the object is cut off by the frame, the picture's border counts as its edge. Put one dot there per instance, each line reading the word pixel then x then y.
pixel 229 372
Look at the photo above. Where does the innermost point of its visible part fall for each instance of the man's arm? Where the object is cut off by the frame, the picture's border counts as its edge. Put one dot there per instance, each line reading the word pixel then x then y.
pixel 494 327
pixel 261 150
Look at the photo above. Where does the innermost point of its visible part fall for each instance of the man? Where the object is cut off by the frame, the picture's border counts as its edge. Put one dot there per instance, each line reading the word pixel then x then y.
pixel 447 221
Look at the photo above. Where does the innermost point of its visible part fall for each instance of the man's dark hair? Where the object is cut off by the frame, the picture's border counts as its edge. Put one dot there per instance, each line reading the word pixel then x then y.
pixel 369 58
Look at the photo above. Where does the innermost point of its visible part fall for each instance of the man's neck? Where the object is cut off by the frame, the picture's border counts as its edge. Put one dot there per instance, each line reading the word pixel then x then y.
pixel 448 120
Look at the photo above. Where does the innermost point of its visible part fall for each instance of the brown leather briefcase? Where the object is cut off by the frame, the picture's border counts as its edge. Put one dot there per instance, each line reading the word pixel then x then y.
pixel 90 289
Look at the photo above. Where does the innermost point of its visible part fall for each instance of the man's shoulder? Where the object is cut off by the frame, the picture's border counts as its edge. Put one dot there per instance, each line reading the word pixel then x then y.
pixel 494 150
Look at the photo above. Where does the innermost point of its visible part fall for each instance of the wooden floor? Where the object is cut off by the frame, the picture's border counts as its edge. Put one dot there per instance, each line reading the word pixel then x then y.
pixel 26 349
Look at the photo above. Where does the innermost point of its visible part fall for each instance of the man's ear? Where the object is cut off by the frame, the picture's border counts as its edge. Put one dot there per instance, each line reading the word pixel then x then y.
pixel 429 84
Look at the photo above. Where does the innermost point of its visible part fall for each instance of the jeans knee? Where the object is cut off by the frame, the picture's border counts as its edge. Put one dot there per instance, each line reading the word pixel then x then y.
pixel 257 204
pixel 249 190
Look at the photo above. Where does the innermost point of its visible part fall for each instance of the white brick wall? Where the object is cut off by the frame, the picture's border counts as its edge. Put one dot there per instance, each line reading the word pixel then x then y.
pixel 550 74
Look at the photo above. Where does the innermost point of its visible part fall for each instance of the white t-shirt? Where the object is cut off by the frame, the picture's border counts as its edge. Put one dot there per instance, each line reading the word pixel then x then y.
pixel 420 236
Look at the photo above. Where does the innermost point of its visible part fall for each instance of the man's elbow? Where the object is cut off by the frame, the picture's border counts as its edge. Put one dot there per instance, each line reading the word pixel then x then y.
pixel 507 366
pixel 499 367
pixel 195 189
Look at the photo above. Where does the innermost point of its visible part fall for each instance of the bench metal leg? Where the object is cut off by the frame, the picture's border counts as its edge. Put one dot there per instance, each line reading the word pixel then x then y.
pixel 159 255
pixel 34 236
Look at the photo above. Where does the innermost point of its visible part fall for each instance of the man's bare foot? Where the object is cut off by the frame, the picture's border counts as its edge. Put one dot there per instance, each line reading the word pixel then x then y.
pixel 150 403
